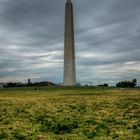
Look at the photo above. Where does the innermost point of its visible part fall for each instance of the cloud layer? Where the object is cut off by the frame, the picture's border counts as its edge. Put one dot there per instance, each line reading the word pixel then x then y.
pixel 106 38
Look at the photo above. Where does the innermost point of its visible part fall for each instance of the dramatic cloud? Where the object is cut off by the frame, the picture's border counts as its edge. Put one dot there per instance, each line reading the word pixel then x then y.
pixel 107 40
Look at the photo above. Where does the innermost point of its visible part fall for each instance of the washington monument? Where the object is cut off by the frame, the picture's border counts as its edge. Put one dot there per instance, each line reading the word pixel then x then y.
pixel 69 49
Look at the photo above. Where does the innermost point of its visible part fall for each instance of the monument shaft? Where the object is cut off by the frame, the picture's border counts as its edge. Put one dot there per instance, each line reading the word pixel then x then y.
pixel 69 48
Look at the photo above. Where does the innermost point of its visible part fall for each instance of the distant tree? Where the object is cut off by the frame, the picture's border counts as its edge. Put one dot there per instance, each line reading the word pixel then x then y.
pixel 134 82
pixel 129 84
pixel 10 84
pixel 43 83
pixel 105 85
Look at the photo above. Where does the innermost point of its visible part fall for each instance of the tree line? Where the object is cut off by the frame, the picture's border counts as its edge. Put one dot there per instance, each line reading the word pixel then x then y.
pixel 127 84
pixel 123 84
pixel 43 83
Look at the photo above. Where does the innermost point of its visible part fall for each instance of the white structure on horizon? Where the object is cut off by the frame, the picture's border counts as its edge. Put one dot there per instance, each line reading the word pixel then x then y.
pixel 69 48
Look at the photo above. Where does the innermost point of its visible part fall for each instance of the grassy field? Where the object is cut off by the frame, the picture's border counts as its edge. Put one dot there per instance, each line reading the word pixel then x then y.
pixel 70 114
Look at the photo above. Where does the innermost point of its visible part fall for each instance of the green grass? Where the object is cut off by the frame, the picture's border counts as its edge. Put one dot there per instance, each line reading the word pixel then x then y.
pixel 70 113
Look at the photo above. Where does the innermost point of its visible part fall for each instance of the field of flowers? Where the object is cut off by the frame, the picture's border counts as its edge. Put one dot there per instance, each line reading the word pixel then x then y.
pixel 70 114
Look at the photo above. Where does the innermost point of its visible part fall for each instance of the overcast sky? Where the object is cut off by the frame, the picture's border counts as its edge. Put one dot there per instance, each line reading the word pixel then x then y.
pixel 107 40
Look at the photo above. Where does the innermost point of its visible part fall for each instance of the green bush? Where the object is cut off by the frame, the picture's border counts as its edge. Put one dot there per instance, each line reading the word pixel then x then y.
pixel 3 134
pixel 55 125
pixel 18 135
pixel 101 127
pixel 89 133
pixel 91 121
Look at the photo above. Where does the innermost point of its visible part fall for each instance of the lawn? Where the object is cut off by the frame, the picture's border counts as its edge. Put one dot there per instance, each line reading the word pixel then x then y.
pixel 70 114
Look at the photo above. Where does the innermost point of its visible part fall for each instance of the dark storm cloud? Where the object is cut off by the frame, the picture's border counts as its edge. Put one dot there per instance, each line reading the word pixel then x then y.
pixel 106 32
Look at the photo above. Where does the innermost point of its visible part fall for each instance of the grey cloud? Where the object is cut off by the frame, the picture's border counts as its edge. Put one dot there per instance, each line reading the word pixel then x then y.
pixel 106 34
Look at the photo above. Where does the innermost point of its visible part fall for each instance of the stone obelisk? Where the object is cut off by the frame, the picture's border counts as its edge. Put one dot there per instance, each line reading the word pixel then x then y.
pixel 69 48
